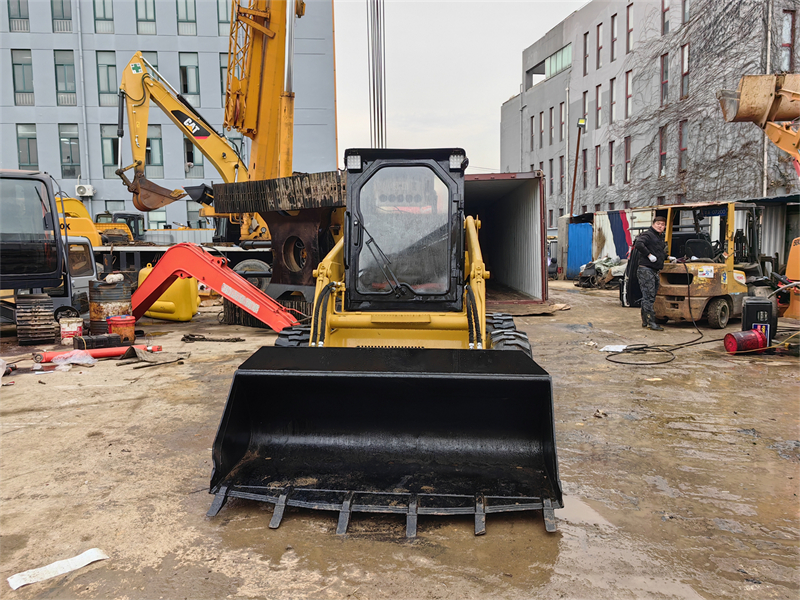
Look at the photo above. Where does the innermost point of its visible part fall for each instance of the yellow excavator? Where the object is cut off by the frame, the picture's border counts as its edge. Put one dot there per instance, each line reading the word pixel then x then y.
pixel 401 395
pixel 140 83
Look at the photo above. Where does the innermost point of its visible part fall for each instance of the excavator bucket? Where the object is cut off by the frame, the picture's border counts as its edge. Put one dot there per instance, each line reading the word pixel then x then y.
pixel 393 430
pixel 762 98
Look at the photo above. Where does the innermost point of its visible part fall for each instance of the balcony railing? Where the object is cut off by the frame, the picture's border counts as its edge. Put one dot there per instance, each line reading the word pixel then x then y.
pixel 146 27
pixel 109 171
pixel 23 98
pixel 62 25
pixel 187 28
pixel 195 172
pixel 107 99
pixel 67 99
pixel 154 171
pixel 70 171
pixel 104 26
pixel 18 25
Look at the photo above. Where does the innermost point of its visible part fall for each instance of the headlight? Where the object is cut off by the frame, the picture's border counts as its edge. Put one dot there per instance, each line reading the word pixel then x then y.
pixel 353 162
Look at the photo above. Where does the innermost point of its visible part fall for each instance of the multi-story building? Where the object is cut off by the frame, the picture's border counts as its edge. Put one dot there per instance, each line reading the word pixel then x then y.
pixel 61 67
pixel 644 75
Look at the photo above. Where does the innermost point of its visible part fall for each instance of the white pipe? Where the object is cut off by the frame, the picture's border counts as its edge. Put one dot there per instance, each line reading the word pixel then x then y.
pixel 566 151
pixel 83 97
pixel 288 81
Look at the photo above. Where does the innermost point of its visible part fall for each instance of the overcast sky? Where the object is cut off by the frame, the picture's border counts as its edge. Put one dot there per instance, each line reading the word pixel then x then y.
pixel 450 65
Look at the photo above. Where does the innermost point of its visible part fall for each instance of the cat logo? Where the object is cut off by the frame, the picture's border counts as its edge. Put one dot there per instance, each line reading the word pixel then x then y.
pixel 197 131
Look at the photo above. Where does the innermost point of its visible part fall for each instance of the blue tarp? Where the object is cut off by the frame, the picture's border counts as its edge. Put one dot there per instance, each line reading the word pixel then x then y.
pixel 580 248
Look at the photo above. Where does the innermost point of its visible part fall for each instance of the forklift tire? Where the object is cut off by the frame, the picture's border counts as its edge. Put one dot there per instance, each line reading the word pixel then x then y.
pixel 502 334
pixel 718 313
pixel 253 264
pixel 662 320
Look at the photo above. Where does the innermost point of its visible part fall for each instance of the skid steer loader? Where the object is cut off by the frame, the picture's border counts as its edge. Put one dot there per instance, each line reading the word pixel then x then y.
pixel 401 396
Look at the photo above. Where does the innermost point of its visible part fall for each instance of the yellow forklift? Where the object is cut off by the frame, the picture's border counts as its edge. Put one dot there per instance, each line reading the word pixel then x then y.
pixel 716 246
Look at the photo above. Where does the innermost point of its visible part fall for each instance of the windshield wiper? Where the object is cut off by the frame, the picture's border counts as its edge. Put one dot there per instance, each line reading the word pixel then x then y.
pixel 373 246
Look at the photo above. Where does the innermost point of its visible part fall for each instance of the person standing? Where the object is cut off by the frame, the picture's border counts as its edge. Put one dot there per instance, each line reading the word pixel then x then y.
pixel 652 252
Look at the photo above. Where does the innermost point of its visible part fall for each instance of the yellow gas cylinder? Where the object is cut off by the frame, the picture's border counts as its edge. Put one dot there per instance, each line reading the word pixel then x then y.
pixel 179 303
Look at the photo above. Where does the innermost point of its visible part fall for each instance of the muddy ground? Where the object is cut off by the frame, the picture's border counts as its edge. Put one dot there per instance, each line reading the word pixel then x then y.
pixel 680 481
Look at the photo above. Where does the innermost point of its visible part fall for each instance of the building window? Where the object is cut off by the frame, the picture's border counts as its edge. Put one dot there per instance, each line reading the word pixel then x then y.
pixel 193 218
pixel 787 42
pixel 560 212
pixel 685 11
pixel 662 151
pixel 612 100
pixel 660 200
pixel 224 16
pixel 113 206
pixel 586 105
pixel 597 166
pixel 561 118
pixel 146 17
pixel 627 177
pixel 550 218
pixel 583 209
pixel 551 125
pixel 664 17
pixel 533 131
pixel 558 61
pixel 629 29
pixel 680 199
pixel 103 16
pixel 157 219
pixel 598 107
pixel 190 77
pixel 599 45
pixel 611 206
pixel 611 179
pixel 62 16
pixel 613 38
pixel 628 93
pixel 597 207
pixel 541 129
pixel 187 21
pixel 26 147
pixel 236 140
pixel 551 176
pixel 107 85
pixel 70 151
pixel 109 148
pixel 626 204
pixel 585 54
pixel 193 160
pixel 585 164
pixel 223 77
pixel 664 79
pixel 541 168
pixel 18 16
pixel 65 78
pixel 22 74
pixel 561 174
pixel 154 156
pixel 683 139
pixel 685 71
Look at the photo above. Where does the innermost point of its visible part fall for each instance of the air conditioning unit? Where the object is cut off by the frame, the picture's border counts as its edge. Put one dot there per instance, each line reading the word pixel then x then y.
pixel 84 190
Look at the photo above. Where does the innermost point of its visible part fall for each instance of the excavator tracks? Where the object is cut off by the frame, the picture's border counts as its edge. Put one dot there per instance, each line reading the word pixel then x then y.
pixel 304 190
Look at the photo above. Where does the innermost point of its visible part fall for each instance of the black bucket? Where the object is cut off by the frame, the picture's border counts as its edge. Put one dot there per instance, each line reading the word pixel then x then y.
pixel 396 430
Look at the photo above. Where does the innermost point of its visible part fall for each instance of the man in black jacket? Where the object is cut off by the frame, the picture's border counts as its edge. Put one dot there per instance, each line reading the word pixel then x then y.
pixel 652 252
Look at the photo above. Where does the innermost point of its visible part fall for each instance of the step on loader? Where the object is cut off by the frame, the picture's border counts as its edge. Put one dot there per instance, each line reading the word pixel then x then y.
pixel 402 395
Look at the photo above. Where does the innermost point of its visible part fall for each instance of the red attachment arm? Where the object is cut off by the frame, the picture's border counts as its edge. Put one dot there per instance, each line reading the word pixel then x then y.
pixel 190 260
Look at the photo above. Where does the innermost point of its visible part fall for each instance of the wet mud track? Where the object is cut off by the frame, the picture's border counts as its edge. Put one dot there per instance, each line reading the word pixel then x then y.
pixel 680 481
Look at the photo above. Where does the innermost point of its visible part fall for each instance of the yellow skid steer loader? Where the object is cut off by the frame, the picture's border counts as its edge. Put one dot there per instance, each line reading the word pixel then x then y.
pixel 401 396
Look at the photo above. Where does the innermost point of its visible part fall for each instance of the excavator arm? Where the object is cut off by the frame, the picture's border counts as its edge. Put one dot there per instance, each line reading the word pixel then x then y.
pixel 770 101
pixel 141 82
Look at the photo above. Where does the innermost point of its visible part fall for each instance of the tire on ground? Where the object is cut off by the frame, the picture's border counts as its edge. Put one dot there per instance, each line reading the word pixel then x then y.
pixel 502 334
pixel 719 311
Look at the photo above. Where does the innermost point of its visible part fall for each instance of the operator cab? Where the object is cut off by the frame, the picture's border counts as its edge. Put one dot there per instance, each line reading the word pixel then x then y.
pixel 404 229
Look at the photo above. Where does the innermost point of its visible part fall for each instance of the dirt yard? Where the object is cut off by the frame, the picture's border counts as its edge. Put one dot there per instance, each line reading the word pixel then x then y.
pixel 680 480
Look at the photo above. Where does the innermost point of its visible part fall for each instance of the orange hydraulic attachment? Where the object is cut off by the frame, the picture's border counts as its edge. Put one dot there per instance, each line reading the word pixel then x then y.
pixel 190 260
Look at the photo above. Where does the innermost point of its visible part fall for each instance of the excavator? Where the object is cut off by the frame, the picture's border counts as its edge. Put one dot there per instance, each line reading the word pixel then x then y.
pixel 402 395
pixel 259 104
